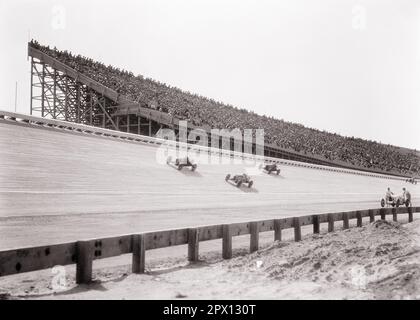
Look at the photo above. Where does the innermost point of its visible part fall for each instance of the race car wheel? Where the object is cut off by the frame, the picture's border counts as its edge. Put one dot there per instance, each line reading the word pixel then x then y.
pixel 382 203
pixel 250 184
pixel 278 172
pixel 227 177
pixel 194 167
pixel 239 184
pixel 180 167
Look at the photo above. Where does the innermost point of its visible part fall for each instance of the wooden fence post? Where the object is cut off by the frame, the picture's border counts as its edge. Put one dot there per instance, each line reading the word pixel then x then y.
pixel 227 242
pixel 394 214
pixel 84 262
pixel 315 219
pixel 296 224
pixel 345 220
pixel 277 230
pixel 139 253
pixel 330 222
pixel 254 241
pixel 359 218
pixel 410 214
pixel 193 244
pixel 382 213
pixel 371 216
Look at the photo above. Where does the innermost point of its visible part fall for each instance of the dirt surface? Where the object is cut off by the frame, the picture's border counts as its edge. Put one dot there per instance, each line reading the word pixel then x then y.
pixel 381 260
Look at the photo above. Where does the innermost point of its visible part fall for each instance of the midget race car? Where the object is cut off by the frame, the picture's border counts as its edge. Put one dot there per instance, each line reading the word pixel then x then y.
pixel 270 168
pixel 180 163
pixel 395 201
pixel 412 180
pixel 239 179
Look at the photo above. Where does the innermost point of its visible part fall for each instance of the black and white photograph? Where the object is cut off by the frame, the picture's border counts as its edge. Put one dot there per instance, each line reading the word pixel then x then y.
pixel 209 150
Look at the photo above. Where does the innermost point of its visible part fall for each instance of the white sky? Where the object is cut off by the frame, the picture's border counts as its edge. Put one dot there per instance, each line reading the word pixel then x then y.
pixel 351 67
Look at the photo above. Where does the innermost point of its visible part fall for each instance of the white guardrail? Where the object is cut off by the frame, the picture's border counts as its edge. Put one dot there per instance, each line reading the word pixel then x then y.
pixel 23 119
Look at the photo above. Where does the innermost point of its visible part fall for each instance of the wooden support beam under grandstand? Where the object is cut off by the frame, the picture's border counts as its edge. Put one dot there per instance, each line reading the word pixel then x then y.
pixel 56 95
pixel 32 84
pixel 43 90
pixel 54 111
pixel 66 101
pixel 78 102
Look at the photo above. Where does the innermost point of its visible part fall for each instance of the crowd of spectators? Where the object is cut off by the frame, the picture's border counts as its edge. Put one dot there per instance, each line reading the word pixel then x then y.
pixel 208 113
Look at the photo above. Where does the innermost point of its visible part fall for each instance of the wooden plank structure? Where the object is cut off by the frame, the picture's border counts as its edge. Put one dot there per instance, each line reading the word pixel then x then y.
pixel 84 252
pixel 139 253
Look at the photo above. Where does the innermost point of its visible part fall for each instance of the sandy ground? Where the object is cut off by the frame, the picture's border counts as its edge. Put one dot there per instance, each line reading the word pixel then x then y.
pixel 381 260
